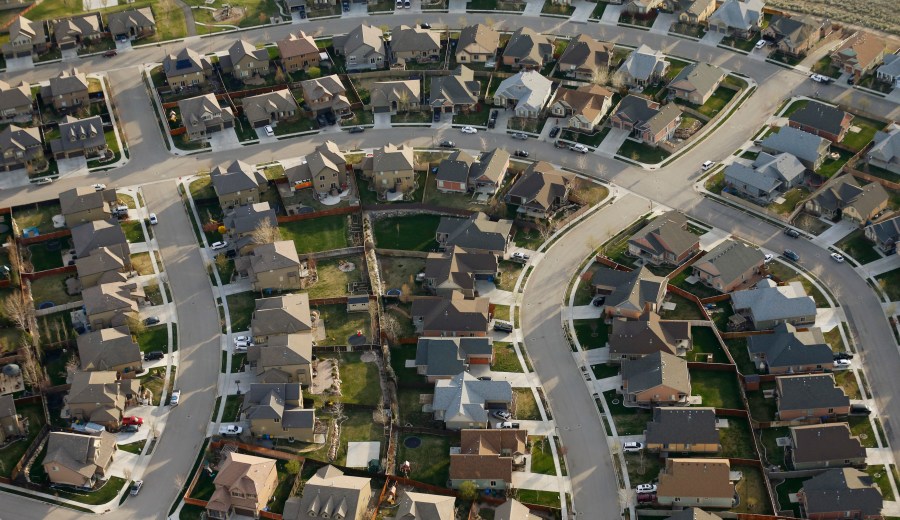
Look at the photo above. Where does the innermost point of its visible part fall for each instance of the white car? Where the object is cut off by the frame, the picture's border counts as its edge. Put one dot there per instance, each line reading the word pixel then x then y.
pixel 768 258
pixel 578 147
pixel 44 180
pixel 468 130
pixel 99 187
pixel 520 256
pixel 819 78
pixel 153 220
pixel 632 447
pixel 761 43
pixel 218 245
pixel 175 398
pixel 646 488
pixel 842 364
pixel 837 257
pixel 707 165
pixel 269 130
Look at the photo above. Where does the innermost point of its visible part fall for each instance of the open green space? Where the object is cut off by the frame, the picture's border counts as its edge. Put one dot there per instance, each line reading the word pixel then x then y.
pixel 628 421
pixel 592 333
pixel 717 389
pixel 641 152
pixel 340 325
pixel 240 310
pixel 410 233
pixel 685 309
pixel 170 23
pixel 360 382
pixel 318 234
pixel 505 359
pixel 332 281
pixel 430 461
pixel 541 456
pixel 867 129
pixel 698 288
pixel 716 102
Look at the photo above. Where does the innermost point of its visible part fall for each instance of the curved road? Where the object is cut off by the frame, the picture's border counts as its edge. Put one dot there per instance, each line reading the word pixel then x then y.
pixel 593 480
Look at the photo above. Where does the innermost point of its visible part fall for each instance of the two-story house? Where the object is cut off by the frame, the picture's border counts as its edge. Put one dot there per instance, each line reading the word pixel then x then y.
pixel 541 190
pixel 645 119
pixel 665 240
pixel 85 204
pixel 330 494
pixel 325 169
pixel 363 48
pixel 527 49
pixel 450 316
pixel 657 379
pixel 270 108
pixel 729 265
pixel 414 44
pixel 275 411
pixel 245 61
pixel 16 103
pixel 67 91
pixel 585 58
pixel 390 169
pixel 298 51
pixel 445 358
pixel 237 184
pixel 187 68
pixel 477 44
pixel 21 148
pixel 100 397
pixel 244 484
pixel 110 349
pixel 476 233
pixel 326 94
pixel 488 457
pixel 78 460
pixel 132 23
pixel 26 38
pixel 272 267
pixel 202 115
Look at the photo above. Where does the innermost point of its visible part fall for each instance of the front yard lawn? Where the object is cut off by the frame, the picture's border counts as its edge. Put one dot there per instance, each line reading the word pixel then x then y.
pixel 240 310
pixel 340 325
pixel 862 428
pixel 411 233
pixel 628 421
pixel 505 359
pixel 541 456
pixel 592 333
pixel 291 126
pixel 101 496
pixel 360 382
pixel 525 405
pixel 133 231
pixel 430 461
pixel 643 467
pixel 641 152
pixel 509 273
pixel 597 13
pixel 560 9
pixel 538 497
pixel 717 389
pixel 477 117
pixel 202 188
pixel 846 380
pixel 881 478
pixel 501 312
pixel 593 140
pixel 154 338
pixel 10 455
pixel 792 198
pixel 603 371
pixel 890 283
pixel 858 246
pixel 824 67
pixel 318 234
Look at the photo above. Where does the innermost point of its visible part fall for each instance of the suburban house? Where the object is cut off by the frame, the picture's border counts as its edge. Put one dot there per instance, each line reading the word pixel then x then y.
pixel 820 446
pixel 413 44
pixel 21 148
pixel 665 240
pixel 101 265
pixel 694 513
pixel 455 93
pixel 845 198
pixel 270 108
pixel 285 314
pixel 285 358
pixel 885 152
pixel 330 494
pixel 12 425
pixel 100 233
pixel 729 265
pixel 110 349
pixel 271 267
pixel 85 204
pixel 298 51
pixel 629 293
pixel 202 115
pixel 696 83
pixel 769 304
pixel 68 90
pixel 100 397
pixel 822 120
pixel 585 58
pixel 527 49
pixel 79 138
pixel 889 72
pixel 16 102
pixel 245 61
pixel 325 169
pixel 488 457
pixel 453 172
pixel 242 221
pixel 791 351
pixel 841 493
pixel 647 120
pixel 450 316
pixel 808 148
pixel 466 401
pixel 487 174
pixel 457 270
pixel 634 339
pixel 476 233
pixel 78 460
pixel 766 178
pixel 444 358
pixel 643 67
pixel 187 68
pixel 11 379
pixel 424 505
pixel 70 33
pixel 526 92
pixel 112 304
pixel 885 235
pixel 737 18
pixel 683 430
pixel 132 24
pixel 541 190
pixel 512 509
pixel 362 48
pixel 696 482
pixel 394 96
pixel 26 38
pixel 692 12
pixel 859 54
pixel 275 411
pixel 657 379
pixel 582 108
pixel 477 44
pixel 809 396
pixel 795 36
pixel 326 94
pixel 237 184
pixel 244 484
pixel 390 169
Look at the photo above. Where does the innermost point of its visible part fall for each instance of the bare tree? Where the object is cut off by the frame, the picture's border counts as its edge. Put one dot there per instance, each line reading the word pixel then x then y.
pixel 600 76
pixel 33 373
pixel 222 264
pixel 15 263
pixel 265 233
pixel 490 22
pixel 17 307
pixel 617 80
pixel 135 324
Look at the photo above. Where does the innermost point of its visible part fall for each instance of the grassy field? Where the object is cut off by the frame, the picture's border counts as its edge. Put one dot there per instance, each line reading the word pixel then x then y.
pixel 890 283
pixel 858 140
pixel 319 234
pixel 718 389
pixel 628 421
pixel 737 439
pixel 332 281
pixel 360 382
pixel 413 233
pixel 339 325
pixel 430 461
pixel 505 359
pixel 525 405
pixel 856 245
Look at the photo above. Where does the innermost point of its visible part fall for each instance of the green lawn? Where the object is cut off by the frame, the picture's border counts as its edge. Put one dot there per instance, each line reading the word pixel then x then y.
pixel 52 289
pixel 340 325
pixel 737 439
pixel 830 167
pixel 795 106
pixel 603 371
pixel 762 409
pixel 411 408
pixel 706 342
pixel 862 428
pixel 332 281
pixel 170 22
pixel 240 310
pixel 501 312
pixel 536 497
pixel 890 283
pixel 40 216
pixel 252 13
pixel 858 140
pixel 641 152
pixel 858 246
pixel 232 411
pixel 47 255
pixel 541 456
pixel 525 406
pixel 399 355
pixel 412 233
pixel 360 382
pixel 477 117
pixel 881 478
pixel 684 309
pixel 643 467
pixel 824 66
pixel 718 389
pixel 591 333
pixel 10 455
pixel 101 496
pixel 847 382
pixel 698 289
pixel 628 421
pixel 772 452
pixel 318 234
pixel 133 447
pixel 133 231
pixel 430 462
pixel 505 359
pixel 784 489
pixel 675 68
pixel 597 13
pixel 153 338
pixel 509 273
pixel 716 102
pixel 399 272
pixel 589 139
pixel 738 349
pixel 792 198
pixel 202 188
pixel 559 9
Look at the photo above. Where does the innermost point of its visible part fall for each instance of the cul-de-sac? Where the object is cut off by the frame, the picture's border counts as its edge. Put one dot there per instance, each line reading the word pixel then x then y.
pixel 449 259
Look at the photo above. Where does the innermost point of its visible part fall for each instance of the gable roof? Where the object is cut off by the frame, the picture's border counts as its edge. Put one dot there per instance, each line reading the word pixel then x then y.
pixel 122 21
pixel 382 93
pixel 690 477
pixel 187 61
pixel 413 39
pixel 886 145
pixel 22 26
pixel 825 442
pixel 806 391
pixel 98 233
pixel 246 473
pixel 459 88
pixel 729 260
pixel 455 168
pixel 465 396
pixel 81 25
pixel 423 506
pixel 683 425
pixel 738 14
pixel 476 232
pixel 447 356
pixel 112 296
pixel 529 88
pixel 478 39
pixel 587 101
pixel 197 110
pixel 15 138
pixel 512 509
pixel 770 301
pixel 630 290
pixel 285 314
pixel 296 44
pixel 487 454
pixel 846 192
pixel 767 172
pixel 698 77
pixel 891 66
pixel 261 106
pixel 363 36
pixel 796 29
pixel 541 184
pixel 647 335
pixel 329 494
pixel 820 116
pixel 528 45
pixel 274 256
pixel 235 177
pixel 803 145
pixel 79 134
pixel 14 97
pixel 99 260
pixel 84 454
pixel 694 513
pixel 643 63
pixel 84 198
pixel 656 369
pixel 666 233
pixel 861 50
pixel 459 267
pixel 586 54
pixel 887 231
pixel 789 347
pixel 844 489
pixel 452 314
pixel 391 157
pixel 106 348
pixel 244 219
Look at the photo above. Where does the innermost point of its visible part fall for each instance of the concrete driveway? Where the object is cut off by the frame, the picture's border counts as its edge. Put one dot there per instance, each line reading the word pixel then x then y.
pixel 662 23
pixel 226 139
pixel 382 120
pixel 712 38
pixel 612 142
pixel 73 166
pixel 611 14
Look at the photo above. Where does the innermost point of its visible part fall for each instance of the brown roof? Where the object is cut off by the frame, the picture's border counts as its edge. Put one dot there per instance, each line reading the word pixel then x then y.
pixel 861 49
pixel 586 100
pixel 647 334
pixel 452 314
pixel 296 45
pixel 245 472
pixel 707 478
pixel 83 454
pixel 281 315
pixel 480 454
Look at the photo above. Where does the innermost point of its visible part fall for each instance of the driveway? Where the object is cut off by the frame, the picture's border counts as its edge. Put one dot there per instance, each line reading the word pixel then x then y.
pixel 16 64
pixel 73 166
pixel 662 23
pixel 712 38
pixel 583 10
pixel 226 139
pixel 382 120
pixel 611 14
pixel 533 7
pixel 612 142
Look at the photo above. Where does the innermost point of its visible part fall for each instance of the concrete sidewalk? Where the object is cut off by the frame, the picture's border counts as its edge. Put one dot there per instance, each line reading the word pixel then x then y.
pixel 835 233
pixel 882 265
pixel 523 480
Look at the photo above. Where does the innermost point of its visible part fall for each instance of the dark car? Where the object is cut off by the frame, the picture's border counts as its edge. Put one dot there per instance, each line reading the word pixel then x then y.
pixel 447 144
pixel 331 118
pixel 437 116
pixel 110 53
pixel 130 428
pixel 231 253
pixel 346 5
pixel 554 132
pixel 791 232
pixel 520 153
pixel 790 255
pixel 860 409
pixel 843 355
pixel 492 123
pixel 153 355
pixel 322 120
pixel 152 320
pixel 560 144
pixel 643 498
pixel 851 80
pixel 424 26
pixel 598 301
pixel 357 130
pixel 495 114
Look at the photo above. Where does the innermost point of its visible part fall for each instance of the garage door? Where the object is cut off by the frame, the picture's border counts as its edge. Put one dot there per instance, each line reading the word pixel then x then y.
pixel 260 124
pixel 212 129
pixel 382 110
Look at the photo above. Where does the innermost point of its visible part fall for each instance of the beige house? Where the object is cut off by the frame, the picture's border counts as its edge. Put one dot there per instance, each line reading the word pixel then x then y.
pixel 26 38
pixel 202 115
pixel 363 48
pixel 272 267
pixel 325 170
pixel 110 349
pixel 413 506
pixel 395 96
pixel 16 102
pixel 585 58
pixel 325 94
pixel 477 44
pixel 413 44
pixel 133 23
pixel 657 379
pixel 80 138
pixel 186 68
pixel 100 397
pixel 285 314
pixel 242 221
pixel 285 358
pixel 527 49
pixel 390 169
pixel 101 233
pixel 78 460
pixel 111 304
pixel 245 61
pixel 11 423
pixel 696 482
pixel 541 190
pixel 244 486
pixel 859 54
pixel 85 204
pixel 21 148
pixel 270 108
pixel 76 31
pixel 330 494
pixel 68 90
pixel 582 108
pixel 102 265
pixel 237 184
pixel 298 52
pixel 275 411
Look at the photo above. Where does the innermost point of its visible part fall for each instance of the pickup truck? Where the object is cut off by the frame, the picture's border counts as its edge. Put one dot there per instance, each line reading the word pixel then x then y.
pixel 230 430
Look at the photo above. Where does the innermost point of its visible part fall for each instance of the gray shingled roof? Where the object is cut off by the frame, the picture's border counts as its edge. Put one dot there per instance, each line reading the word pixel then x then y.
pixel 446 356
pixel 803 145
pixel 459 88
pixel 526 44
pixel 106 348
pixel 845 489
pixel 362 36
pixel 465 394
pixel 187 61
pixel 586 53
pixel 803 392
pixel 825 442
pixel 455 168
pixel 631 290
pixel 847 192
pixel 683 425
pixel 478 39
pixel 79 134
pixel 819 116
pixel 646 335
pixel 666 233
pixel 244 219
pixel 729 260
pixel 452 314
pixel 97 233
pixel 261 106
pixel 738 14
pixel 769 301
pixel 541 185
pixel 284 314
pixel 413 39
pixel 652 370
pixel 235 177
pixel 788 347
pixel 738 174
pixel 700 77
pixel 476 232
pixel 643 63
pixel 887 231
pixel 886 145
pixel 14 97
pixel 123 21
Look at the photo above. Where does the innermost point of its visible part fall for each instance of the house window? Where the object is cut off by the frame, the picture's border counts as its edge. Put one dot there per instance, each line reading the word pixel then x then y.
pixel 493 483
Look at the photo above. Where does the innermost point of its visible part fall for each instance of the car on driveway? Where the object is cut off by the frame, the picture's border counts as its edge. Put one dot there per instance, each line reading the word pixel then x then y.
pixel 99 187
pixel 357 130
pixel 554 132
pixel 791 255
pixel 269 131
pixel 860 409
pixel 153 355
pixel 215 246
pixel 424 26
pixel 346 5
pixel 761 43
pixel 578 147
pixel 520 136
pixel 503 326
pixel 152 320
pixel 843 355
pixel 837 257
pixel 447 144
pixel 598 301
pixel 502 414
pixel 646 488
pixel 468 130
pixel 520 153
pixel 175 398
pixel 629 447
pixel 521 257
pixel 842 364
pixel 131 419
pixel 153 220
pixel 136 487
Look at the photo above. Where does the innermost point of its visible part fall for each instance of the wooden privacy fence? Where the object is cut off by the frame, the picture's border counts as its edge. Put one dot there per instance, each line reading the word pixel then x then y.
pixel 316 214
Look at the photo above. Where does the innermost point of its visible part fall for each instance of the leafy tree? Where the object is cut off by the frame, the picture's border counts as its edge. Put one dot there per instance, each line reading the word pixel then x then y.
pixel 292 467
pixel 468 491
pixel 314 72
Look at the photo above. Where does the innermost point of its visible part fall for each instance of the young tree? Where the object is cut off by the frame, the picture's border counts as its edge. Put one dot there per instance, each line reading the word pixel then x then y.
pixel 135 324
pixel 600 77
pixel 17 307
pixel 292 467
pixel 222 264
pixel 265 233
pixel 313 72
pixel 468 491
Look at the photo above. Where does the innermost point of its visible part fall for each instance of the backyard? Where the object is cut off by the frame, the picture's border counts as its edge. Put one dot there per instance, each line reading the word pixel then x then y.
pixel 10 455
pixel 36 216
pixel 411 233
pixel 737 439
pixel 341 325
pixel 399 272
pixel 360 382
pixel 685 309
pixel 867 129
pixel 318 234
pixel 717 389
pixel 706 345
pixel 52 290
pixel 333 282
pixel 429 461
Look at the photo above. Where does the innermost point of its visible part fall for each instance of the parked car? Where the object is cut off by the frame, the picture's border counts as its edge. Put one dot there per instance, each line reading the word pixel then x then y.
pixel 231 253
pixel 521 257
pixel 407 4
pixel 644 498
pixel 707 165
pixel 242 341
pixel 554 132
pixel 578 147
pixel 153 355
pixel 110 53
pixel 468 130
pixel 860 409
pixel 131 428
pixel 357 130
pixel 791 232
pixel 153 220
pixel 424 26
pixel 322 120
pixel 507 425
pixel 819 78
pixel 131 419
pixel 598 301
pixel 502 414
pixel 768 258
pixel 230 430
pixel 99 187
pixel 629 447
pixel 851 80
pixel 447 144
pixel 790 255
pixel 484 378
pixel 560 144
pixel 837 257
pixel 646 488
pixel 269 131
pixel 492 123
pixel 330 117
pixel 215 246
pixel 495 114
pixel 503 326
pixel 399 4
pixel 346 5
pixel 842 364
pixel 760 44
pixel 522 136
pixel 175 398
pixel 136 487
pixel 152 320
pixel 520 153
pixel 843 355
pixel 44 180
